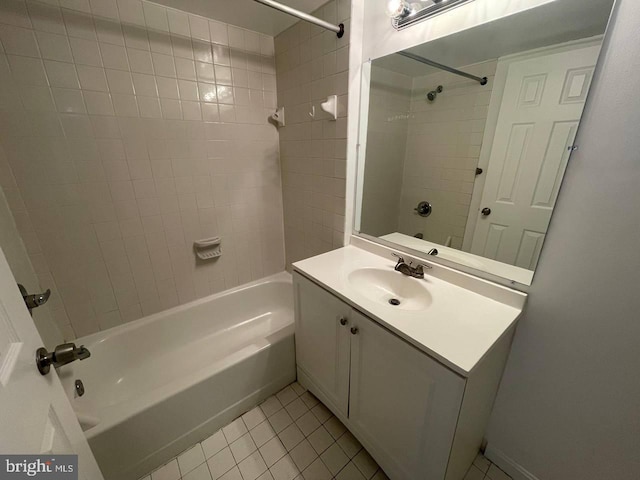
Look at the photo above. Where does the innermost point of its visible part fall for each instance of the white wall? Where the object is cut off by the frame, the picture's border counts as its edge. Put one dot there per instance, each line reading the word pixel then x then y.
pixel 568 404
pixel 132 130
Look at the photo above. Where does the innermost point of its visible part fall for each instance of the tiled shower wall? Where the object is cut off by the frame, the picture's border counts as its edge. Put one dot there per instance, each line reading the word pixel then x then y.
pixel 389 106
pixel 311 64
pixel 443 148
pixel 129 130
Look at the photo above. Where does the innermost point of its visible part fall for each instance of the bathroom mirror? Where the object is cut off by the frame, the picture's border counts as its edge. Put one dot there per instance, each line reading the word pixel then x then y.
pixel 464 140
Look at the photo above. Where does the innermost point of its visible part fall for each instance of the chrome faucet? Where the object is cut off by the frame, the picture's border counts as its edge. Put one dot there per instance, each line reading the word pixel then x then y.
pixel 408 269
pixel 63 354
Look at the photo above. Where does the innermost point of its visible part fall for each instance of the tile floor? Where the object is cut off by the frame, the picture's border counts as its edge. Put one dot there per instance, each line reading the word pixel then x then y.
pixel 290 436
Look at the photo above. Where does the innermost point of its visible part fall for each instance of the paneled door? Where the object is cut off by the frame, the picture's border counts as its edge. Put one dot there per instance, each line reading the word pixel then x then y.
pixel 402 403
pixel 36 416
pixel 322 341
pixel 542 103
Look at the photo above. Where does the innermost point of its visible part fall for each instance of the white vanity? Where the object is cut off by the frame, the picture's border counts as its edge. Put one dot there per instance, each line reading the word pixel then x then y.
pixel 414 381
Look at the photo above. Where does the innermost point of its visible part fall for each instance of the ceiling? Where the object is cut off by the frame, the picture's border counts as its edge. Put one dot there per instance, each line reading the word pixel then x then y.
pixel 245 13
pixel 553 23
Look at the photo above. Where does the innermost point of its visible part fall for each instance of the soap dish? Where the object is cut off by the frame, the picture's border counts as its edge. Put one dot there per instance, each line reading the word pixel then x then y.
pixel 208 248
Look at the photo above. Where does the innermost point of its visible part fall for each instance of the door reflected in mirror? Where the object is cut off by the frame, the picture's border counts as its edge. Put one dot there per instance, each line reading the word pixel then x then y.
pixel 468 137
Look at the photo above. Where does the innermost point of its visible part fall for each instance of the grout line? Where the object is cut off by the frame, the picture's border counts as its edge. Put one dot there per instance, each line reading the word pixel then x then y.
pixel 287 451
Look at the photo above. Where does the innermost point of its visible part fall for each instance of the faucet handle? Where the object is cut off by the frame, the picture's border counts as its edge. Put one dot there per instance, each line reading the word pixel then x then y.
pixel 400 258
pixel 421 267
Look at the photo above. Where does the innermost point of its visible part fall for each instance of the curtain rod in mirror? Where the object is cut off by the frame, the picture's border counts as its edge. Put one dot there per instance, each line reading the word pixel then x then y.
pixel 338 29
pixel 418 58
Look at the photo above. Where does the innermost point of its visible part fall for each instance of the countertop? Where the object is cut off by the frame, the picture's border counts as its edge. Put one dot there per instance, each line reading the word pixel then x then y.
pixel 466 318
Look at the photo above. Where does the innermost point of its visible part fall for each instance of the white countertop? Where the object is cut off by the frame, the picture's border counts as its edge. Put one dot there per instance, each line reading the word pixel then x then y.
pixel 459 327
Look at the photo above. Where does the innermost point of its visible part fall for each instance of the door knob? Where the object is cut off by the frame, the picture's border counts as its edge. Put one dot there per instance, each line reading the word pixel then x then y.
pixel 63 354
pixel 354 330
pixel 343 321
pixel 486 211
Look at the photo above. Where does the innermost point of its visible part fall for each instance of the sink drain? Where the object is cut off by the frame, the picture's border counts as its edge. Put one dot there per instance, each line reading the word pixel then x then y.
pixel 394 301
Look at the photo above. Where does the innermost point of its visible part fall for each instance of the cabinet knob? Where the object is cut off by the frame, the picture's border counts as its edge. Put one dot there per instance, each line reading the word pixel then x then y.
pixel 343 321
pixel 354 330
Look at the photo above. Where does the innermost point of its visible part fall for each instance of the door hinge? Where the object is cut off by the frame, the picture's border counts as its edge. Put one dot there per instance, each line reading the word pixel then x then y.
pixel 572 148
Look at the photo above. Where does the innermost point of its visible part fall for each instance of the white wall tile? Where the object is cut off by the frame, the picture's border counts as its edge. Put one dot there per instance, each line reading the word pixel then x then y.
pixel 104 8
pixel 80 5
pixel 181 46
pixel 163 65
pixel 135 37
pixel 85 52
pixel 114 56
pixel 68 100
pixel 37 98
pixel 79 25
pixel 155 17
pixel 140 61
pixel 204 72
pixel 185 68
pixel 167 87
pixel 15 13
pixel 236 37
pixel 18 41
pixel 218 32
pixel 199 27
pixel 313 151
pixel 144 84
pixel 179 23
pixel 131 12
pixel 54 46
pixel 92 78
pixel 98 103
pixel 132 170
pixel 119 81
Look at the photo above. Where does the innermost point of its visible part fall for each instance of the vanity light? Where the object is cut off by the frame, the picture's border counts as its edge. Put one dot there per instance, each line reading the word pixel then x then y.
pixel 398 9
pixel 404 13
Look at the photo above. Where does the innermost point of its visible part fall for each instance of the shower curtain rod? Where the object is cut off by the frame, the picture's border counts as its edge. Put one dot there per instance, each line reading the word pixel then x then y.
pixel 338 29
pixel 418 58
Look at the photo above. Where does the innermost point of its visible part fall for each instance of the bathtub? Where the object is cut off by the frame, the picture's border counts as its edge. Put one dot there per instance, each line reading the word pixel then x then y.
pixel 155 386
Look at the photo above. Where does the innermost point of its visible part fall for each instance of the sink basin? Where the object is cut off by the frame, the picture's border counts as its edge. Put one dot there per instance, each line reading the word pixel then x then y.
pixel 391 288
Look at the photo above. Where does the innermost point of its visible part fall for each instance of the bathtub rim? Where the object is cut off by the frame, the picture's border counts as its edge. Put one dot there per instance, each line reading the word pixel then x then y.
pixel 93 338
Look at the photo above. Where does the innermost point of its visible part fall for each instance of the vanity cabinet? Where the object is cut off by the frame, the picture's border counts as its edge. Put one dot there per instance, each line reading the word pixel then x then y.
pixel 322 342
pixel 416 417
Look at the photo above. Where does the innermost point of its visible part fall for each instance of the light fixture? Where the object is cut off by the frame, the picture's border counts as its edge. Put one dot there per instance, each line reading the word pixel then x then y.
pixel 403 13
pixel 398 9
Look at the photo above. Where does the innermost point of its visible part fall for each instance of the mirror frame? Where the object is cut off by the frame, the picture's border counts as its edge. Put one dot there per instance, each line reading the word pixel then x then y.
pixel 358 175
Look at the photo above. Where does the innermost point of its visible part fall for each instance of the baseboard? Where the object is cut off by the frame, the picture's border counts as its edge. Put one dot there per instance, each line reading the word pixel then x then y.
pixel 508 465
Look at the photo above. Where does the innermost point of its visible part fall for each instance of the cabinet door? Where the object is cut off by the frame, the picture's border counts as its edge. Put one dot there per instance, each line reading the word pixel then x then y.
pixel 403 404
pixel 322 342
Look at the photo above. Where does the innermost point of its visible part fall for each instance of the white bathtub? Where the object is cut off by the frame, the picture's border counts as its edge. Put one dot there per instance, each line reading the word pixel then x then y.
pixel 157 385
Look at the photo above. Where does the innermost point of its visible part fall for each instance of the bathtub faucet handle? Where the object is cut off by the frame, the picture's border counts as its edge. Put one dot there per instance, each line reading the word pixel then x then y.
pixel 63 354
